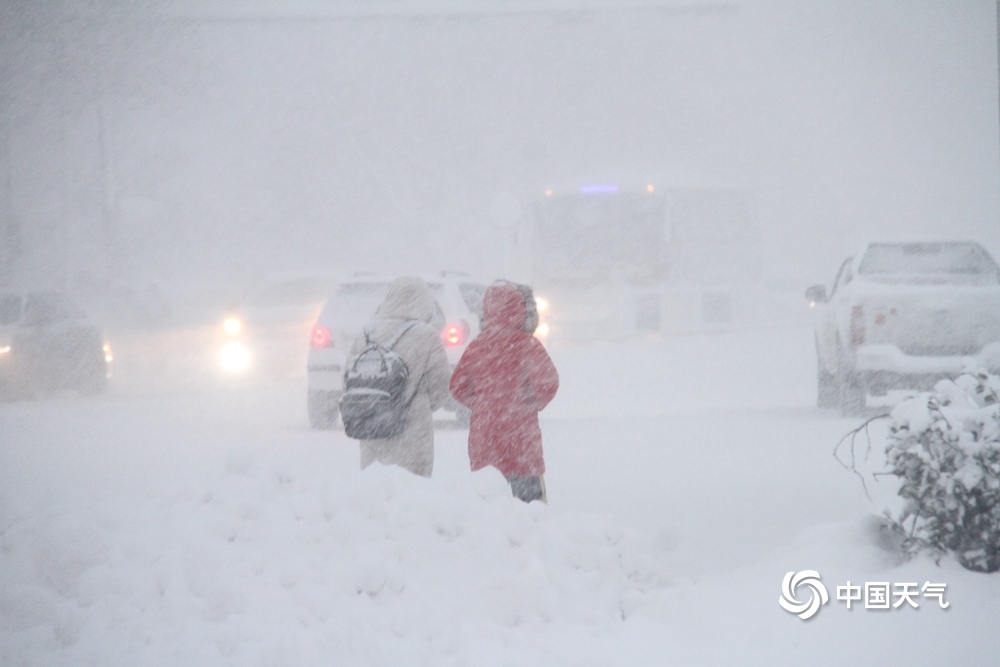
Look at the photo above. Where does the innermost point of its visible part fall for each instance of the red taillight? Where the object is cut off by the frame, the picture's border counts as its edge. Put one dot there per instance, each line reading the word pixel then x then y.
pixel 320 336
pixel 454 334
pixel 857 325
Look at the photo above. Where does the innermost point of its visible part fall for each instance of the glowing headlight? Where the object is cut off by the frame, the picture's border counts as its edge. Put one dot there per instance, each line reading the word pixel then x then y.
pixel 232 326
pixel 234 358
pixel 109 356
pixel 4 349
pixel 543 330
pixel 541 304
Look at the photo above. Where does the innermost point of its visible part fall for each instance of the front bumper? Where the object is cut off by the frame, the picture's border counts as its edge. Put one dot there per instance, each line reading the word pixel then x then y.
pixel 326 377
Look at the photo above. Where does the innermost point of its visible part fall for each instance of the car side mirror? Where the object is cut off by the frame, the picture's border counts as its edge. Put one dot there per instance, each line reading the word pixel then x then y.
pixel 816 294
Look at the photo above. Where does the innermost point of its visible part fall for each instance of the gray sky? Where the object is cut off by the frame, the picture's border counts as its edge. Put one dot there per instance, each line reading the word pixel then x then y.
pixel 229 144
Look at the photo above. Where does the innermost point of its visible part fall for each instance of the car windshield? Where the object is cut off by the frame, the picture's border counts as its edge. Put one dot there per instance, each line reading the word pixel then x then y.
pixel 10 309
pixel 292 293
pixel 472 294
pixel 954 260
pixel 355 303
pixel 45 308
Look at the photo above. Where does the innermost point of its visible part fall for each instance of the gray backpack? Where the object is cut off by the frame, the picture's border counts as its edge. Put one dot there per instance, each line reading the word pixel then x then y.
pixel 375 381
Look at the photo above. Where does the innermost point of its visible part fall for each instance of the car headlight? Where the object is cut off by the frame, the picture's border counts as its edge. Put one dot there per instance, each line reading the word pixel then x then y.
pixel 234 358
pixel 232 326
pixel 542 305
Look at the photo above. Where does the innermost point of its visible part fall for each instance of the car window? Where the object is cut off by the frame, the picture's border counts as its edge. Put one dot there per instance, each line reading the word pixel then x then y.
pixel 10 309
pixel 951 259
pixel 355 303
pixel 842 274
pixel 45 308
pixel 472 294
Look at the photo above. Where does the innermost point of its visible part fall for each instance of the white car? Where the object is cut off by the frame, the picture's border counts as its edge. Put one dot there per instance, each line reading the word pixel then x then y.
pixel 264 335
pixel 903 316
pixel 353 304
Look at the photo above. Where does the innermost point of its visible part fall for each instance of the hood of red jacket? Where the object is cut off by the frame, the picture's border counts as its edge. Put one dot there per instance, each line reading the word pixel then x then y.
pixel 503 308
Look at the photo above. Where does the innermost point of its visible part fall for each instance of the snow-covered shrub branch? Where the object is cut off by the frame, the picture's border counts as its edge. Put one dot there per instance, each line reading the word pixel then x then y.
pixel 944 446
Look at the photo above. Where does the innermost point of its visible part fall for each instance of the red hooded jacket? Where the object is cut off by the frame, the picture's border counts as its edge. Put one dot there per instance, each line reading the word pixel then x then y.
pixel 505 376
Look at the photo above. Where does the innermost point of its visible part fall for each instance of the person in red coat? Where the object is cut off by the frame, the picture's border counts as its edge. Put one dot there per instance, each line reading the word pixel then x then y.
pixel 506 377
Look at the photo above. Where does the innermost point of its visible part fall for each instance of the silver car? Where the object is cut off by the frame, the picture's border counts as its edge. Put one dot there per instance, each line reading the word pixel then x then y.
pixel 48 343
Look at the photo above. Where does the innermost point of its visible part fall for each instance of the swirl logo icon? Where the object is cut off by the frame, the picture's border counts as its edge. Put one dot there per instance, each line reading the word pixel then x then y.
pixel 817 597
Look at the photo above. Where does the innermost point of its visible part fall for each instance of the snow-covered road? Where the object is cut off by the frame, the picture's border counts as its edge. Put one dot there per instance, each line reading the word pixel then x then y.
pixel 685 477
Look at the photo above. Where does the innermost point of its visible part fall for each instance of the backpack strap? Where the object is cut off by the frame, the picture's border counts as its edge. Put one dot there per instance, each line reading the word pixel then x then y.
pixel 409 324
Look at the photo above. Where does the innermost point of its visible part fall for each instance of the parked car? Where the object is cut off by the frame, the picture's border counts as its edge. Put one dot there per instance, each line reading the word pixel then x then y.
pixel 353 304
pixel 48 343
pixel 903 316
pixel 264 335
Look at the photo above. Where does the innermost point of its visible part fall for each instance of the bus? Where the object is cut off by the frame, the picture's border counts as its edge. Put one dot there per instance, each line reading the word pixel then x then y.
pixel 630 257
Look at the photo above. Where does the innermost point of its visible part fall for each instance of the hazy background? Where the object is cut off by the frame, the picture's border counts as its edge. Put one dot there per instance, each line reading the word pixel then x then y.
pixel 213 142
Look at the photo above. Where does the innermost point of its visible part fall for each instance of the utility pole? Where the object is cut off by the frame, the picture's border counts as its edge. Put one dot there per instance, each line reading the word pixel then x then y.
pixel 10 231
pixel 109 222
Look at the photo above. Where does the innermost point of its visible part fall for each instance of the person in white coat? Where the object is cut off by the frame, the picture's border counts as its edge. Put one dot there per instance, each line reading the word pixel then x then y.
pixel 421 348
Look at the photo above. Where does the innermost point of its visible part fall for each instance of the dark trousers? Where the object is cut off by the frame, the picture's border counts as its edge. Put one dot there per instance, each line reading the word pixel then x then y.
pixel 528 488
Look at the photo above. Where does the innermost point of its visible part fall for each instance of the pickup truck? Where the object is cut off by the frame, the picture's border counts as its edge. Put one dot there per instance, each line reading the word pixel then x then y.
pixel 903 316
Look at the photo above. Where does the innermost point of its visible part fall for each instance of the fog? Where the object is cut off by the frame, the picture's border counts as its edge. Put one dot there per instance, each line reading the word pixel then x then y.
pixel 154 142
pixel 175 486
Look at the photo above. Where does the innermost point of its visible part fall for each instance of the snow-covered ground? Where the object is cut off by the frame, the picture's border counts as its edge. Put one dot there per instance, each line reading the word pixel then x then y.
pixel 211 526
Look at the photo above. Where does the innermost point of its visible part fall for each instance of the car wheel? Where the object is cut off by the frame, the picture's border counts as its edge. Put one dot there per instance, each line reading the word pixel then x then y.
pixel 853 396
pixel 18 386
pixel 463 416
pixel 94 379
pixel 15 391
pixel 93 385
pixel 324 409
pixel 827 390
pixel 827 387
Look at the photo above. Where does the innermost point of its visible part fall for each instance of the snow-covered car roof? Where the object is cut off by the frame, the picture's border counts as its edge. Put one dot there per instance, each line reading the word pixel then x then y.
pixel 461 298
pixel 294 288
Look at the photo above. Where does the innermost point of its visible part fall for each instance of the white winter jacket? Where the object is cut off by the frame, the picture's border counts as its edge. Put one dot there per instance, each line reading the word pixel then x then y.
pixel 421 348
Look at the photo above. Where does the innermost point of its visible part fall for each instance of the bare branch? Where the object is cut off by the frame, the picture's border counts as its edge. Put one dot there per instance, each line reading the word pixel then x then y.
pixel 853 436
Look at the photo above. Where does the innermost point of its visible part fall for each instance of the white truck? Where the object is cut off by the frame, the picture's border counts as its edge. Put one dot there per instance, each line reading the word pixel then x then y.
pixel 903 316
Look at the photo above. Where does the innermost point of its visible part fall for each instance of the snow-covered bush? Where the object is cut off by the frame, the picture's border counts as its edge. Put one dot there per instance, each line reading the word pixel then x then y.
pixel 944 446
